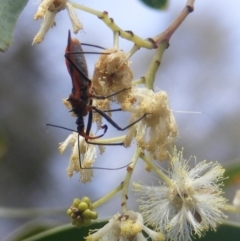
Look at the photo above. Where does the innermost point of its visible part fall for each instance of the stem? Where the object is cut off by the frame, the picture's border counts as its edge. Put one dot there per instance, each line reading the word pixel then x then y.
pixel 154 65
pixel 50 232
pixel 129 35
pixel 231 223
pixel 162 41
pixel 107 197
pixel 110 140
pixel 115 40
pixel 231 208
pixel 138 81
pixel 166 35
pixel 110 23
pixel 87 9
pixel 133 50
pixel 127 179
pixel 159 172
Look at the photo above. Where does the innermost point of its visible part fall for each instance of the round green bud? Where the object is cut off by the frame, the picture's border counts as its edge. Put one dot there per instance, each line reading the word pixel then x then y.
pixel 87 213
pixel 73 216
pixel 74 222
pixel 69 212
pixel 94 215
pixel 87 221
pixel 86 200
pixel 90 206
pixel 79 224
pixel 82 206
pixel 76 202
pixel 74 209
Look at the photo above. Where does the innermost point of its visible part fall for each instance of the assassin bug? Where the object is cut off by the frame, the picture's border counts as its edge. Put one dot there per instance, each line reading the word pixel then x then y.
pixel 82 94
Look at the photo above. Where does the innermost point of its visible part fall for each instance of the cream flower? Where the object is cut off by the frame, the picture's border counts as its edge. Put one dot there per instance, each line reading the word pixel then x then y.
pixel 189 205
pixel 112 74
pixel 125 227
pixel 48 10
pixel 158 128
pixel 87 155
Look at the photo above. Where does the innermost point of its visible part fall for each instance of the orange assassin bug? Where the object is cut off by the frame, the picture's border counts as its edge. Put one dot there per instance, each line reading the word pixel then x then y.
pixel 81 97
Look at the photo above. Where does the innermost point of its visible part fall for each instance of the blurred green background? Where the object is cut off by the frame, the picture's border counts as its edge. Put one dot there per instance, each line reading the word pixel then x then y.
pixel 199 71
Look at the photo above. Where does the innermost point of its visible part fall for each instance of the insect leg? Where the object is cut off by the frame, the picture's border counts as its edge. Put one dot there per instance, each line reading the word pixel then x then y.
pixel 104 115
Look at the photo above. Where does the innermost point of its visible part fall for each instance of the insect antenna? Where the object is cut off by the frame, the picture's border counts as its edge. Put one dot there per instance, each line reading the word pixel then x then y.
pixel 61 127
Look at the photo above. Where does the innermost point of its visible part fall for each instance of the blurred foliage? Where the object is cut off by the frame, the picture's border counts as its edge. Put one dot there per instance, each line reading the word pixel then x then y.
pixel 232 174
pixel 3 144
pixel 25 151
pixel 9 13
pixel 157 4
pixel 24 148
pixel 30 229
pixel 63 233
pixel 69 233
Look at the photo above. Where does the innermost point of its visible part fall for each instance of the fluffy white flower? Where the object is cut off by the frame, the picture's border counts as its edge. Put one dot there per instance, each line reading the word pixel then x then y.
pixel 125 227
pixel 158 128
pixel 189 205
pixel 48 10
pixel 87 155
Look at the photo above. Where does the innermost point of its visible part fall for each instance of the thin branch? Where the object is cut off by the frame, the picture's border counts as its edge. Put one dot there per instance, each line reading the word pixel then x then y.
pixel 107 197
pixel 150 43
pixel 154 65
pixel 126 182
pixel 110 23
pixel 166 35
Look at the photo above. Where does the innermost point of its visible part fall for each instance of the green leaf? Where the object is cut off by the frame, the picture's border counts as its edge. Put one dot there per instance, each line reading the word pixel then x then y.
pixel 71 233
pixel 30 229
pixel 232 174
pixel 226 232
pixel 157 4
pixel 62 233
pixel 9 13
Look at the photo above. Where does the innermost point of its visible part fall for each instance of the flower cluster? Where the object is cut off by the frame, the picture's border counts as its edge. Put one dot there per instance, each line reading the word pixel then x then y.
pixel 158 129
pixel 154 132
pixel 112 74
pixel 190 203
pixel 81 212
pixel 126 226
pixel 187 201
pixel 48 10
pixel 80 151
pixel 112 77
